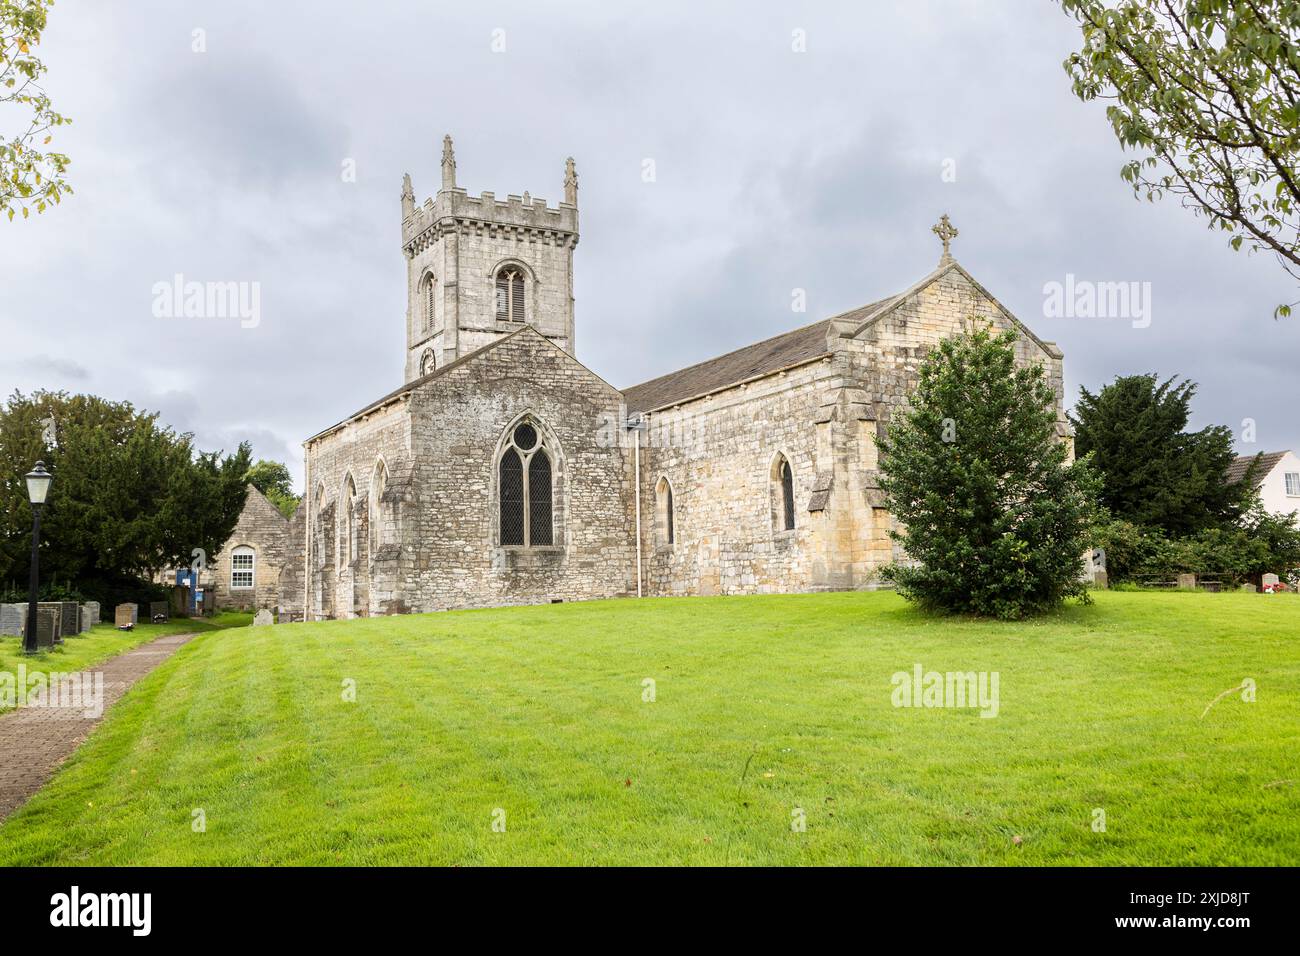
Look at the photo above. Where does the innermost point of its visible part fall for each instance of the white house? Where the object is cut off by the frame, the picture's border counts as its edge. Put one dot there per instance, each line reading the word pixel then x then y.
pixel 1278 479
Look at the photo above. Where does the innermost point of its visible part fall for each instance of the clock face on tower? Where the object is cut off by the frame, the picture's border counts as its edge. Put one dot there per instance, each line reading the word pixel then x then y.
pixel 427 363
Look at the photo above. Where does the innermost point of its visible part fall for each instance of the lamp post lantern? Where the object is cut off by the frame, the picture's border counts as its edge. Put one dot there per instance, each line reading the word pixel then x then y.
pixel 38 488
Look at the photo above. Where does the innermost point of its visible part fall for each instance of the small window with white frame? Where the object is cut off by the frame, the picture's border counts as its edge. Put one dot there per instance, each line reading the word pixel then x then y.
pixel 1293 484
pixel 243 569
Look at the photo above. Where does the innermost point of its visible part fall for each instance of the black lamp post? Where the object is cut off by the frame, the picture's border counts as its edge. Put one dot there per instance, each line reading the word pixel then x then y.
pixel 38 487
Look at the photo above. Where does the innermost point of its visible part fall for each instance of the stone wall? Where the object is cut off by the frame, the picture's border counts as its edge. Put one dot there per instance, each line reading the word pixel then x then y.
pixel 292 579
pixel 718 454
pixel 435 541
pixel 824 416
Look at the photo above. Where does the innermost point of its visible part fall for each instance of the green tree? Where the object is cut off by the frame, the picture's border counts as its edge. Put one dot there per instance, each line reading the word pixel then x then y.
pixel 29 176
pixel 272 479
pixel 129 498
pixel 1208 92
pixel 995 516
pixel 1154 473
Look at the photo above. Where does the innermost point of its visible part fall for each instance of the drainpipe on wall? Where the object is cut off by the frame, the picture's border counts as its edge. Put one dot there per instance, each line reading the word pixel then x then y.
pixel 636 424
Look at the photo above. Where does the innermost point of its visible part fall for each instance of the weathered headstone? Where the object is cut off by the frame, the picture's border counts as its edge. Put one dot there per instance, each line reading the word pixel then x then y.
pixel 263 617
pixel 57 608
pixel 47 626
pixel 1101 579
pixel 157 610
pixel 1186 582
pixel 93 608
pixel 124 618
pixel 68 619
pixel 12 619
pixel 1249 587
pixel 1270 579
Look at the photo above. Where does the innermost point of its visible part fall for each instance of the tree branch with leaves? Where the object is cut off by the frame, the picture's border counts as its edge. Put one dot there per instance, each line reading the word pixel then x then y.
pixel 30 176
pixel 1209 91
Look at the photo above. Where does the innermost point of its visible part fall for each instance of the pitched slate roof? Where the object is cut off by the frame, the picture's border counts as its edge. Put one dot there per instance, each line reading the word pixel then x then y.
pixel 752 361
pixel 1267 462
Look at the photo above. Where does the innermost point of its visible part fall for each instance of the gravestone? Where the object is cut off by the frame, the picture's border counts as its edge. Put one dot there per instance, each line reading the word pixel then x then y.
pixel 1101 579
pixel 83 620
pixel 1270 579
pixel 68 620
pixel 1186 582
pixel 47 626
pixel 93 608
pixel 124 618
pixel 157 609
pixel 57 608
pixel 263 618
pixel 1249 587
pixel 12 619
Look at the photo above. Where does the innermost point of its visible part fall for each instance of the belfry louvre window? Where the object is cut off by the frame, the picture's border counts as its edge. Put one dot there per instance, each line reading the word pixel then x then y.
pixel 242 568
pixel 525 490
pixel 430 303
pixel 510 294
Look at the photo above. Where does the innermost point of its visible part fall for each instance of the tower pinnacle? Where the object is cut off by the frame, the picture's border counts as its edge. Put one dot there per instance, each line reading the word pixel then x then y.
pixel 570 182
pixel 408 196
pixel 448 164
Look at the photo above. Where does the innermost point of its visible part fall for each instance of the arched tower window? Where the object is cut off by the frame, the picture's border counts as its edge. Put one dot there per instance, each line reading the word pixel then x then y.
pixel 428 301
pixel 782 495
pixel 665 532
pixel 510 294
pixel 525 488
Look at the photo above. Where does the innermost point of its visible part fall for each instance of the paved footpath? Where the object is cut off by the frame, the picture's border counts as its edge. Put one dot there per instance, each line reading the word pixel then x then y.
pixel 35 740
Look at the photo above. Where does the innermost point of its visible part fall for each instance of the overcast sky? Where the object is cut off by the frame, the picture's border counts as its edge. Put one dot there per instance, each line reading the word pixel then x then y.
pixel 775 170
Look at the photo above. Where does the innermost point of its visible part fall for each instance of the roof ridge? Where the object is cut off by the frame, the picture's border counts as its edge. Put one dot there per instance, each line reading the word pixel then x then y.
pixel 714 358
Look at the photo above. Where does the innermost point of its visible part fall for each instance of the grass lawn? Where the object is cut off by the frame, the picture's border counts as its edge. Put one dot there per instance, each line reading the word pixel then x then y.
pixel 764 705
pixel 104 641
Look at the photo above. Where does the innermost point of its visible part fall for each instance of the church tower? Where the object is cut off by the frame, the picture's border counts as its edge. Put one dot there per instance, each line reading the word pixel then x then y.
pixel 478 268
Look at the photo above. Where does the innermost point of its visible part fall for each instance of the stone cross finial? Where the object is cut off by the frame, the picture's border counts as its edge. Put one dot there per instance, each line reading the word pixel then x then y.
pixel 946 231
pixel 570 182
pixel 448 164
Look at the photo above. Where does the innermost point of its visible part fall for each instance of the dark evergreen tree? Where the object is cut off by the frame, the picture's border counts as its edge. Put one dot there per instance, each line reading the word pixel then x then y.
pixel 1154 472
pixel 130 496
pixel 996 518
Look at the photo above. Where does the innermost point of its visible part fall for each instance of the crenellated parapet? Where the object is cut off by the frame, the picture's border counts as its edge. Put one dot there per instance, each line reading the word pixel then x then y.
pixel 454 211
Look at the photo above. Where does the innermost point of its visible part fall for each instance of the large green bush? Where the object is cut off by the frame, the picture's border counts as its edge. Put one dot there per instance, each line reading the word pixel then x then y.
pixel 995 519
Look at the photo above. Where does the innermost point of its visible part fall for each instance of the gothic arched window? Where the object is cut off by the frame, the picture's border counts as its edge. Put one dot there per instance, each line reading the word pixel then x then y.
pixel 665 532
pixel 782 495
pixel 510 294
pixel 525 489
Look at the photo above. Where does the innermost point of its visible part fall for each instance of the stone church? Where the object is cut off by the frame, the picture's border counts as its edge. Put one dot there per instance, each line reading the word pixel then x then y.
pixel 504 471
